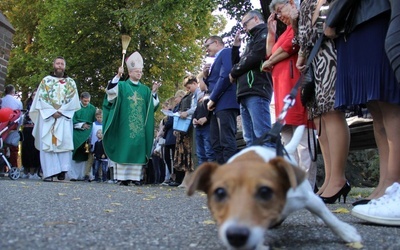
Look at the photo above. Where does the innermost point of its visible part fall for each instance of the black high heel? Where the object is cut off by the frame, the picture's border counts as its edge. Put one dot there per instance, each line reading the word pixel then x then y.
pixel 342 192
pixel 361 202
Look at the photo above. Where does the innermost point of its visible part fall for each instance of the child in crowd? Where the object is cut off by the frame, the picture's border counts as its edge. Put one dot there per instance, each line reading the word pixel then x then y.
pixel 100 158
pixel 98 124
pixel 170 139
pixel 157 167
pixel 201 122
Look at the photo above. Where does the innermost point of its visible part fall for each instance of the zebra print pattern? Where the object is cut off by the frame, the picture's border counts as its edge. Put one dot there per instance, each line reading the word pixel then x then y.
pixel 324 63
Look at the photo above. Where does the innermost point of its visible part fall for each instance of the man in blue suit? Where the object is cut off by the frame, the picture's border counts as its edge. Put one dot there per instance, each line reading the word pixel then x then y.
pixel 223 124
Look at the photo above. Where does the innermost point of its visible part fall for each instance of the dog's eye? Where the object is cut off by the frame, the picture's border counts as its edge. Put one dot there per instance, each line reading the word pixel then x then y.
pixel 264 193
pixel 220 194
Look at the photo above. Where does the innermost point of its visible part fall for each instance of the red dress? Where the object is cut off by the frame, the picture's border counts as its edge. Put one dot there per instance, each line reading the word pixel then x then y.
pixel 284 77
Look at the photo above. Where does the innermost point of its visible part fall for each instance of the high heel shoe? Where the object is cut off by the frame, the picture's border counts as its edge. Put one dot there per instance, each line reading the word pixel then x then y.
pixel 342 192
pixel 361 202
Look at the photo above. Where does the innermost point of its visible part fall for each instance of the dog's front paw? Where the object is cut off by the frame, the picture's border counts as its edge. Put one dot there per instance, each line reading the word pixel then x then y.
pixel 349 234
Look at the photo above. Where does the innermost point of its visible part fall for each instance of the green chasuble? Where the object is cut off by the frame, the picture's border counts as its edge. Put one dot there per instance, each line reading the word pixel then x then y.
pixel 87 115
pixel 128 124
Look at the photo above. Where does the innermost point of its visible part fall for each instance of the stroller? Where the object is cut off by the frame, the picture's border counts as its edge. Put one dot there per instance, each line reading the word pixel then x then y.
pixel 10 121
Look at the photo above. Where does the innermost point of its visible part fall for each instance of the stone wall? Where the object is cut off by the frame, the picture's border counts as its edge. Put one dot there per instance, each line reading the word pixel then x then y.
pixel 6 35
pixel 362 168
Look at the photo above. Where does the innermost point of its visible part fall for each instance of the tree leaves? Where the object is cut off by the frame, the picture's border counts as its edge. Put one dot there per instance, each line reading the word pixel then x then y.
pixel 87 33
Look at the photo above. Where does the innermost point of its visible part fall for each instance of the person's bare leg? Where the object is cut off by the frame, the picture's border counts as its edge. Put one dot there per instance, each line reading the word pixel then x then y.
pixel 337 132
pixel 382 144
pixel 391 122
pixel 323 144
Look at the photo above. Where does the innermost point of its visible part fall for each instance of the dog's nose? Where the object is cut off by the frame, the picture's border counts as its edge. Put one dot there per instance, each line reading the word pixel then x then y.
pixel 237 236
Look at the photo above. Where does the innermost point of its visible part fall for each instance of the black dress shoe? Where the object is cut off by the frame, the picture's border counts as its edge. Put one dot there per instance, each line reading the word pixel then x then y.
pixel 174 184
pixel 61 176
pixel 361 202
pixel 48 179
pixel 87 178
pixel 124 183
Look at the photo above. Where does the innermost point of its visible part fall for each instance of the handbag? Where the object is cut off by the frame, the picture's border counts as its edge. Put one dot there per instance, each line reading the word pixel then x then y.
pixel 307 88
pixel 306 82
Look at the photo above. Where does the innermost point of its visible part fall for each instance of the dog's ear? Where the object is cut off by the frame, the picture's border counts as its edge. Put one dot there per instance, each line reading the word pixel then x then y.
pixel 200 180
pixel 294 174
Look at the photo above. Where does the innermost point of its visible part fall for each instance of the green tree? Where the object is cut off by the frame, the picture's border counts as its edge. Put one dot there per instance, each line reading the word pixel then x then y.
pixel 169 35
pixel 24 63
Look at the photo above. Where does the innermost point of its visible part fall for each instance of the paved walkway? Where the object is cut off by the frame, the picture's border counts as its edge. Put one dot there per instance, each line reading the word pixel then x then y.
pixel 78 215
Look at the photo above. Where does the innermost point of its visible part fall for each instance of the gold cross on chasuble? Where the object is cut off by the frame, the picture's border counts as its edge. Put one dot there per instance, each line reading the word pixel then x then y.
pixel 135 98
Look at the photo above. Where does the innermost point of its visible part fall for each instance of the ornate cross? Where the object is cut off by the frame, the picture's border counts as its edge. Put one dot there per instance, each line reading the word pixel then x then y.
pixel 135 98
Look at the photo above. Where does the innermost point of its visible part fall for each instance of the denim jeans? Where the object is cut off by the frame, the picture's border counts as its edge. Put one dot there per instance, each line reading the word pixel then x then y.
pixel 256 118
pixel 103 165
pixel 223 126
pixel 204 149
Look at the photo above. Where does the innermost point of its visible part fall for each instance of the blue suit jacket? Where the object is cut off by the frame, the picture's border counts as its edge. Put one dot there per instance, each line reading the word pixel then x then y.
pixel 223 92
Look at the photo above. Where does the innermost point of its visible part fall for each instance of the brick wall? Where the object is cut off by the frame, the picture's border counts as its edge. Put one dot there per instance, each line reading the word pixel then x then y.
pixel 6 35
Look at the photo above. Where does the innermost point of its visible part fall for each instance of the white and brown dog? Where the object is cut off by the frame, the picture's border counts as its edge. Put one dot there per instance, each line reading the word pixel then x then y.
pixel 256 190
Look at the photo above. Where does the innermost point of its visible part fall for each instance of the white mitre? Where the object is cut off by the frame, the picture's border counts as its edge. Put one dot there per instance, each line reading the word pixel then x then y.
pixel 134 61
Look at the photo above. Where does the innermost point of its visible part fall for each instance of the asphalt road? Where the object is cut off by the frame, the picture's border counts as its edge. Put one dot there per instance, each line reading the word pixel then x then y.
pixel 78 215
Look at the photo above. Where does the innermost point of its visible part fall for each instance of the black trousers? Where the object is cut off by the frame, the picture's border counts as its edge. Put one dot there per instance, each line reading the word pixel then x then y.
pixel 30 156
pixel 223 127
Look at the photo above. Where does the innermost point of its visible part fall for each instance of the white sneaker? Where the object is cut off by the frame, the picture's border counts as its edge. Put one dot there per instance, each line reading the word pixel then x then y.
pixel 34 177
pixel 384 210
pixel 24 176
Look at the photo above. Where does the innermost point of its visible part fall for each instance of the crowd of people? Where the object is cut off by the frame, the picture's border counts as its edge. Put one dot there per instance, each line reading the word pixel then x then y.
pixel 72 136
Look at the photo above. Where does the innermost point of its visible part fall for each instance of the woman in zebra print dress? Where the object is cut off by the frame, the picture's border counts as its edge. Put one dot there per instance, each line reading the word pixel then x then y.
pixel 334 136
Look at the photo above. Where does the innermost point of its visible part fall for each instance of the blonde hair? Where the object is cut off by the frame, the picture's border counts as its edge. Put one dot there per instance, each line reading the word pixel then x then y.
pixel 170 101
pixel 180 93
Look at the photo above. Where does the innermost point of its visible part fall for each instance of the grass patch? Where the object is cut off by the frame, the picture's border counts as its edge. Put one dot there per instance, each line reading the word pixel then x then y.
pixel 360 192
